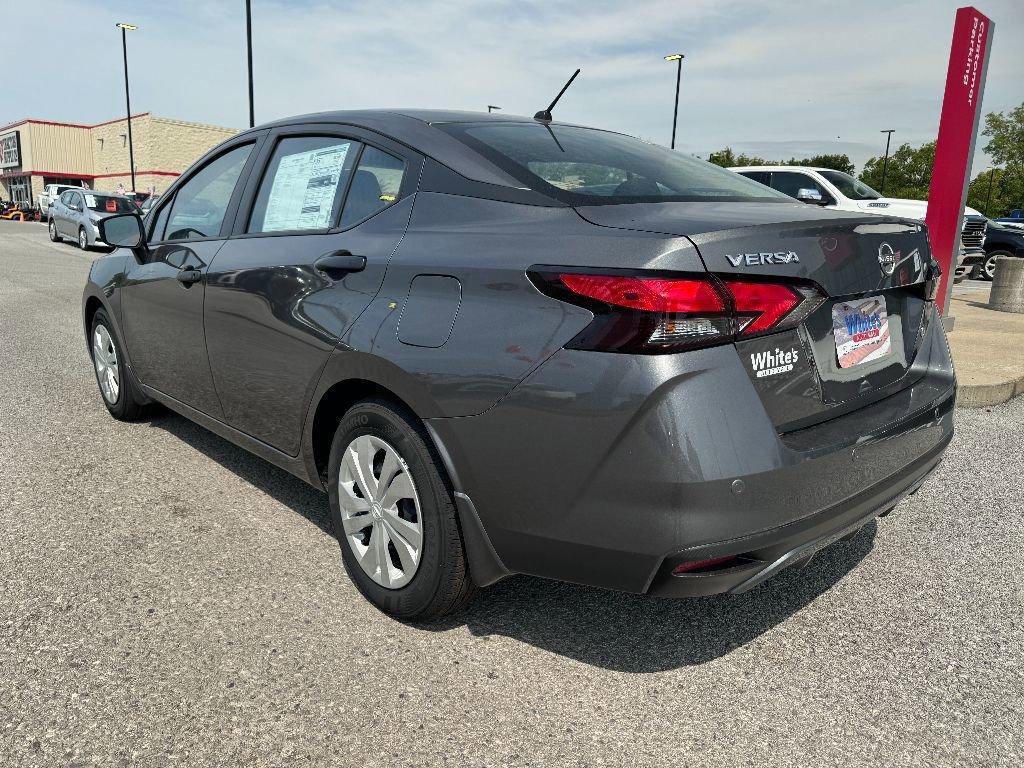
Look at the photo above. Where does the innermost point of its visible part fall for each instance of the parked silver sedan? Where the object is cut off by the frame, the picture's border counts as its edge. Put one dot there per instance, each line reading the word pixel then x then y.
pixel 76 213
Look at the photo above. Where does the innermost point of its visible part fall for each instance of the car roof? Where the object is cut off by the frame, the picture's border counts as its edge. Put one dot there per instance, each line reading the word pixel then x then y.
pixel 778 168
pixel 417 129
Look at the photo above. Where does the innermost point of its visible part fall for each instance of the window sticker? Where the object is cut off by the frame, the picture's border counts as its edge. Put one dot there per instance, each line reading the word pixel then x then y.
pixel 90 201
pixel 305 183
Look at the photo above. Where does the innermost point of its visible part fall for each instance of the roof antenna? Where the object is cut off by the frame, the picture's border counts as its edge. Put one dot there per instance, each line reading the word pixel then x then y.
pixel 545 114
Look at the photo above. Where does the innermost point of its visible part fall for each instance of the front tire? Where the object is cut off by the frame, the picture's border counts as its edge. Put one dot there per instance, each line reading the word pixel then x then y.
pixel 83 239
pixel 394 516
pixel 988 267
pixel 117 386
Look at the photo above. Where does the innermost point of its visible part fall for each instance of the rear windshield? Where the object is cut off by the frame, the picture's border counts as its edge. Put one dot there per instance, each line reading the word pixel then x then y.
pixel 110 204
pixel 585 166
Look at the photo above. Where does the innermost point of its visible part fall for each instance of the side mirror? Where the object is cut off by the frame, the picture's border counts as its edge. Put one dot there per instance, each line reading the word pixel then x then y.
pixel 810 196
pixel 122 231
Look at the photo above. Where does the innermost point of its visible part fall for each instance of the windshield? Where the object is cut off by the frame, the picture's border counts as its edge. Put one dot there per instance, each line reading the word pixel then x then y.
pixel 110 204
pixel 585 166
pixel 849 186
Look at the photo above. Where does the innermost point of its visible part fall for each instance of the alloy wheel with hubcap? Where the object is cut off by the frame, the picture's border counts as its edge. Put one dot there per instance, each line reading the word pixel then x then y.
pixel 104 356
pixel 381 513
pixel 83 239
pixel 54 237
pixel 988 267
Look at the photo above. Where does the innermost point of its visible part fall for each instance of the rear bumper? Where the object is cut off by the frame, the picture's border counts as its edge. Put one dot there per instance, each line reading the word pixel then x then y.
pixel 610 470
pixel 761 556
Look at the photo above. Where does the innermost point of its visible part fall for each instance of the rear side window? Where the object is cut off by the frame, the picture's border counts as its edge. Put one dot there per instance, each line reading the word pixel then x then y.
pixel 585 166
pixel 201 203
pixel 303 185
pixel 376 185
pixel 761 177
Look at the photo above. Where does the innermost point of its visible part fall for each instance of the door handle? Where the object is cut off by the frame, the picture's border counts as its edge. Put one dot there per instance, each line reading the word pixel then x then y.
pixel 189 276
pixel 337 264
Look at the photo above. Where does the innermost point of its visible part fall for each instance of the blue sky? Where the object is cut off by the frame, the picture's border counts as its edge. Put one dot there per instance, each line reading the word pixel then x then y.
pixel 775 79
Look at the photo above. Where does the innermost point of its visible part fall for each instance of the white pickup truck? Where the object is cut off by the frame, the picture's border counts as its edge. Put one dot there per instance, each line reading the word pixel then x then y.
pixel 50 193
pixel 835 189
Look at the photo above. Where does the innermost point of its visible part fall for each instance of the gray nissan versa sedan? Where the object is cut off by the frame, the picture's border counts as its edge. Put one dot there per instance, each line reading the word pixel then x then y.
pixel 504 345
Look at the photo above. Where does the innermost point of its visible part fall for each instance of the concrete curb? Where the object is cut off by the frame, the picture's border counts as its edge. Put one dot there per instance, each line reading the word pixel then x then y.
pixel 983 395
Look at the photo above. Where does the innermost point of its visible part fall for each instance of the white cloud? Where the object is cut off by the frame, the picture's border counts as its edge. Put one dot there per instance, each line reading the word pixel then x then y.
pixel 787 76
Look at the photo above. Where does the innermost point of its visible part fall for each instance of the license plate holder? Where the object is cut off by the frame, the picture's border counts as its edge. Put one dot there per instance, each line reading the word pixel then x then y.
pixel 861 328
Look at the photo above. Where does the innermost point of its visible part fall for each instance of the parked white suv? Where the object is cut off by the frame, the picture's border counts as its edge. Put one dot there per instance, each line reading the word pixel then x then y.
pixel 50 193
pixel 834 189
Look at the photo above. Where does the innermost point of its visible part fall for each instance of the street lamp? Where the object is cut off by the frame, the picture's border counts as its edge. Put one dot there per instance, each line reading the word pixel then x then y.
pixel 125 28
pixel 491 108
pixel 678 58
pixel 885 163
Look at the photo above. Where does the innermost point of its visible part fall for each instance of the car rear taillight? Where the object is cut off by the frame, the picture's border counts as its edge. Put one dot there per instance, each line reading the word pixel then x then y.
pixel 651 313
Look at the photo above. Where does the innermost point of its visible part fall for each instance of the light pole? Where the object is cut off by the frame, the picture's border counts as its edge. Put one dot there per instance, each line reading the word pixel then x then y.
pixel 491 108
pixel 885 163
pixel 125 28
pixel 678 58
pixel 988 198
pixel 248 45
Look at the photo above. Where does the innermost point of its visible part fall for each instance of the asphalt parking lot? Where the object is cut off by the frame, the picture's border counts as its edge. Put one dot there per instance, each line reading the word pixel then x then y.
pixel 168 600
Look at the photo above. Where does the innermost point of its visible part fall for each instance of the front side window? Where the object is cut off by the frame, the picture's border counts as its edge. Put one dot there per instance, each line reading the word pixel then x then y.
pixel 376 185
pixel 201 203
pixel 303 185
pixel 790 183
pixel 585 166
pixel 849 186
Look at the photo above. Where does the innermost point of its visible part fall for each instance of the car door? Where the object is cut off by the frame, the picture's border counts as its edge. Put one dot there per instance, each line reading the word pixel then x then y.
pixel 312 240
pixel 163 290
pixel 65 213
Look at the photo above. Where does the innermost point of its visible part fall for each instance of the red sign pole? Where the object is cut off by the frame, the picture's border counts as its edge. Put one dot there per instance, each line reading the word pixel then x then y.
pixel 958 130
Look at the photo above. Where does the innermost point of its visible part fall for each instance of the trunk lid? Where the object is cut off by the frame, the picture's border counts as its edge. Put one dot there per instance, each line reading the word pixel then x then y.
pixel 872 268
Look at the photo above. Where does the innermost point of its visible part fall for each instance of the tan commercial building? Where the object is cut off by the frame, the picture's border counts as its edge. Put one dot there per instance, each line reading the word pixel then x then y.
pixel 34 153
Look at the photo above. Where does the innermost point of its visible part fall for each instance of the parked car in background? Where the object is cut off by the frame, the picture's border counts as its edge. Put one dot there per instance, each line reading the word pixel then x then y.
pixel 841 191
pixel 1015 219
pixel 50 193
pixel 76 213
pixel 1001 239
pixel 147 205
pixel 505 345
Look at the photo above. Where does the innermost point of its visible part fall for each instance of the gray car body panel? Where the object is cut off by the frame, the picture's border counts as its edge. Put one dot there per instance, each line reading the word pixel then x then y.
pixel 586 466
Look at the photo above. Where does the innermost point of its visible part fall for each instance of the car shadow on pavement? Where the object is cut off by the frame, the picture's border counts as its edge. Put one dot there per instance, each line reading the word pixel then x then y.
pixel 637 633
pixel 612 630
pixel 283 487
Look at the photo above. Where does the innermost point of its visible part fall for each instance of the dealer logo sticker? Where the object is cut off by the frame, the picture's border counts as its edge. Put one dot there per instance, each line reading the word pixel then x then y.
pixel 888 258
pixel 770 363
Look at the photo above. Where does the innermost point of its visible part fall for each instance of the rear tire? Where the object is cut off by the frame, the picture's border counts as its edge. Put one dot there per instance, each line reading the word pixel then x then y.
pixel 118 389
pixel 54 234
pixel 404 501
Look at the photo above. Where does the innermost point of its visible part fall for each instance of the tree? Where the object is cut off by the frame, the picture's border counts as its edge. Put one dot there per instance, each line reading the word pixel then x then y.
pixel 723 157
pixel 727 158
pixel 996 192
pixel 836 162
pixel 908 175
pixel 1005 134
